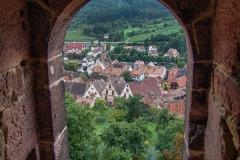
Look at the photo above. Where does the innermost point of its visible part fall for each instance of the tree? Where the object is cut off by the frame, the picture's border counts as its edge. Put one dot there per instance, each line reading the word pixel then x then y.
pixel 121 155
pixel 81 132
pixel 100 105
pixel 134 108
pixel 127 136
pixel 163 118
pixel 126 75
pixel 180 64
pixel 166 135
pixel 176 152
pixel 71 66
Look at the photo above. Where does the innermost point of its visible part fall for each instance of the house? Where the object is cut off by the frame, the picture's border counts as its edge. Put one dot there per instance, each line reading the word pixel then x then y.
pixel 85 102
pixel 153 71
pixel 102 47
pixel 98 68
pixel 148 88
pixel 138 63
pixel 81 79
pixel 151 64
pixel 116 69
pixel 89 60
pixel 95 52
pixel 172 74
pixel 181 81
pixel 68 86
pixel 95 76
pixel 177 108
pixel 106 35
pixel 74 47
pixel 138 75
pixel 95 90
pixel 68 76
pixel 113 89
pixel 126 92
pixel 182 72
pixel 152 47
pixel 172 53
pixel 141 49
pixel 153 53
pixel 127 47
pixel 112 48
pixel 79 89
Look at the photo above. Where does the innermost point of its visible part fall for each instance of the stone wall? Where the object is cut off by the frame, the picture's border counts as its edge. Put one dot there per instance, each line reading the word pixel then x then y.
pixel 32 109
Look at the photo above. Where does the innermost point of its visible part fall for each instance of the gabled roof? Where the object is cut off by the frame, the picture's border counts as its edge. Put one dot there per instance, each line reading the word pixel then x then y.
pixel 153 52
pixel 68 86
pixel 75 45
pixel 100 85
pixel 136 72
pixel 151 64
pixel 97 50
pixel 177 108
pixel 118 84
pixel 89 58
pixel 172 53
pixel 79 89
pixel 97 76
pixel 141 48
pixel 146 69
pixel 147 88
pixel 153 47
pixel 181 81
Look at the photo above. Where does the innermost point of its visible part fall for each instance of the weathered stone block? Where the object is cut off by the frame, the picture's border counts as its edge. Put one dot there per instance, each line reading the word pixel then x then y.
pixel 55 71
pixel 226 89
pixel 201 81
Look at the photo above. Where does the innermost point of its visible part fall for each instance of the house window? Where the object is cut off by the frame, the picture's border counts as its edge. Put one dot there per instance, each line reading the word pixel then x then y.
pixel 109 86
pixel 106 91
pixel 95 93
pixel 105 97
pixel 88 92
pixel 125 95
pixel 112 92
pixel 127 89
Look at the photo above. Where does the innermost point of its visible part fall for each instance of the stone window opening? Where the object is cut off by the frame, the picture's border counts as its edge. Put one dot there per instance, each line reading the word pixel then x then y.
pixel 213 75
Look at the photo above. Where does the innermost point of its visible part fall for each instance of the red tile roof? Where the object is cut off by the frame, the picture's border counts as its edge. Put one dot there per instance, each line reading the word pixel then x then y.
pixel 75 45
pixel 181 81
pixel 177 108
pixel 147 88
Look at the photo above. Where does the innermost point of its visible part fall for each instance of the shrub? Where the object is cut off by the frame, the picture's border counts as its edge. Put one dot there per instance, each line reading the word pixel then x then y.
pixel 99 120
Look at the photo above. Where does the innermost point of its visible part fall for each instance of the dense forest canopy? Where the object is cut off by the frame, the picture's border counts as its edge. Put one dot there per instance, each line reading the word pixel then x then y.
pixel 115 10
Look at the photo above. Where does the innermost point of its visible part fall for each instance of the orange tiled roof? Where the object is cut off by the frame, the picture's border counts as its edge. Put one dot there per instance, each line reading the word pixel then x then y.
pixel 177 108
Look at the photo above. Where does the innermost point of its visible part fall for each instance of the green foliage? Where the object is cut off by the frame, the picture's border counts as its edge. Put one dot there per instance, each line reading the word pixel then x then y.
pixel 121 155
pixel 99 120
pixel 166 135
pixel 126 75
pixel 81 132
pixel 134 108
pixel 163 118
pixel 71 66
pixel 180 64
pixel 118 115
pixel 127 136
pixel 100 105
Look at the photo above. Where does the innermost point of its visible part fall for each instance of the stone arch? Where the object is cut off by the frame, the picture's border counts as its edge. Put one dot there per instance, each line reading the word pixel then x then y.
pixel 32 110
pixel 199 60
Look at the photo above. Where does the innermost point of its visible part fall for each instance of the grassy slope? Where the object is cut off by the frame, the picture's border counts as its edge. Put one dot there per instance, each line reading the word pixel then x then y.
pixel 77 35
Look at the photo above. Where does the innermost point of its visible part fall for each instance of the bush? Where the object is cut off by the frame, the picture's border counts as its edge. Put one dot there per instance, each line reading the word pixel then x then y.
pixel 99 120
pixel 121 155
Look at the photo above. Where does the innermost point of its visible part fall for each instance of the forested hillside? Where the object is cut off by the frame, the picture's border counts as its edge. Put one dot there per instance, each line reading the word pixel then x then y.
pixel 103 11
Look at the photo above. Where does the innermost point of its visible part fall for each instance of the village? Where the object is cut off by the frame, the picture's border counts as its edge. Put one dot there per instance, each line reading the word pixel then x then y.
pixel 159 87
